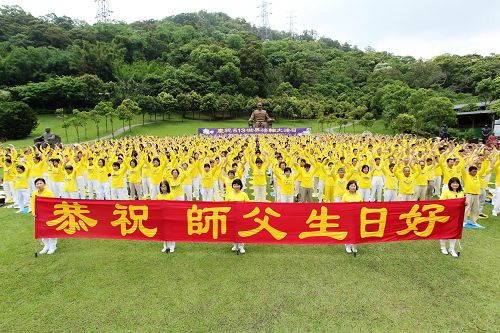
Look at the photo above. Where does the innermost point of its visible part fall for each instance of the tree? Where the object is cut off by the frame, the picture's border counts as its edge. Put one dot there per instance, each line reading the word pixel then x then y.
pixel 209 105
pixel 96 117
pixel 76 122
pixel 84 121
pixel 403 123
pixel 17 120
pixel 65 124
pixel 126 111
pixel 489 89
pixel 437 112
pixel 367 120
pixel 104 109
pixel 169 103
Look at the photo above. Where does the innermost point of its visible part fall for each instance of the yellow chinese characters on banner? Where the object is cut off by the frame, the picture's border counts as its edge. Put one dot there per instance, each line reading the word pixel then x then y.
pixel 414 218
pixel 263 224
pixel 323 226
pixel 380 221
pixel 199 221
pixel 135 220
pixel 72 218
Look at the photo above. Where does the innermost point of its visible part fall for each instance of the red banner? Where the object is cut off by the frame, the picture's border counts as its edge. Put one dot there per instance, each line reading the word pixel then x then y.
pixel 250 222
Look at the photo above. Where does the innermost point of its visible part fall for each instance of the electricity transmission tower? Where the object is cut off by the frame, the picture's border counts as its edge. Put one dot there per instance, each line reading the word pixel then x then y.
pixel 291 22
pixel 264 19
pixel 103 11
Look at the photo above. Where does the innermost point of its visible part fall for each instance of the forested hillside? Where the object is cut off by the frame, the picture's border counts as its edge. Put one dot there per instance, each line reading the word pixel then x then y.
pixel 212 66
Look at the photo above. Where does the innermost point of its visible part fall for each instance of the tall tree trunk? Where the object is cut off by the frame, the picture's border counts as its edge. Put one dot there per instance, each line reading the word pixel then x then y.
pixel 97 126
pixel 77 134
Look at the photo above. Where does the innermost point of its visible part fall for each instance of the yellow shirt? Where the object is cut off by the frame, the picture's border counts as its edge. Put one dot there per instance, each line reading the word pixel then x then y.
pixel 45 193
pixel 306 178
pixel 259 174
pixel 134 174
pixel 231 195
pixel 176 185
pixel 102 174
pixel 92 172
pixel 287 183
pixel 447 194
pixel 348 197
pixel 365 180
pixel 37 169
pixel 391 181
pixel 9 172
pixel 21 180
pixel 56 174
pixel 406 184
pixel 167 196
pixel 70 182
pixel 340 186
pixel 118 177
pixel 472 184
pixel 206 178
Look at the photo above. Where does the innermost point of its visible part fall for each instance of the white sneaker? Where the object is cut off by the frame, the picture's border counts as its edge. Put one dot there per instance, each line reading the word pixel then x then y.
pixel 171 249
pixel 453 253
pixel 52 250
pixel 164 249
pixel 354 249
pixel 444 251
pixel 44 250
pixel 241 248
pixel 494 213
pixel 348 248
pixel 234 248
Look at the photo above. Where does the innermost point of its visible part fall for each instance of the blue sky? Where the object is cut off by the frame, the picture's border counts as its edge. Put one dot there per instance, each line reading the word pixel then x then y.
pixel 422 29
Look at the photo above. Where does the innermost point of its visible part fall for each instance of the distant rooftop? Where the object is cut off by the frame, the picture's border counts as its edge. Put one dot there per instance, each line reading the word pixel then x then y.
pixel 480 104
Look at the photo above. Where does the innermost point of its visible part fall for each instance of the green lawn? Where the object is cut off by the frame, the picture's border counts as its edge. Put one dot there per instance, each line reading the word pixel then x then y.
pixel 115 286
pixel 46 120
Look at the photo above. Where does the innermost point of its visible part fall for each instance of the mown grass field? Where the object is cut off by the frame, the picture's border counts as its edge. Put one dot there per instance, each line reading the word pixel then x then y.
pixel 93 285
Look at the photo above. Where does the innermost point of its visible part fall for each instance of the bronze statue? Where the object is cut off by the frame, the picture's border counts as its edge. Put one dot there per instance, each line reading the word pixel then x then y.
pixel 260 117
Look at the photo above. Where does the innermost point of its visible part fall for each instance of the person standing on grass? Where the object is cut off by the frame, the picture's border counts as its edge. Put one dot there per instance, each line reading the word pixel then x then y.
pixel 454 191
pixel 165 194
pixel 352 195
pixel 472 189
pixel 41 190
pixel 237 194
pixel 21 189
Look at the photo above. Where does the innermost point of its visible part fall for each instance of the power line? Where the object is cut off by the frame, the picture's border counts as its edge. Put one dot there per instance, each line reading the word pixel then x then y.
pixel 103 11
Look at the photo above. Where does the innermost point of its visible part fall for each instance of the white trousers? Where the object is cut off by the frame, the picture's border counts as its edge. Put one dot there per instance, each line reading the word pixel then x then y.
pixel 390 195
pixel 188 191
pixel 207 194
pixel 377 186
pixel 259 193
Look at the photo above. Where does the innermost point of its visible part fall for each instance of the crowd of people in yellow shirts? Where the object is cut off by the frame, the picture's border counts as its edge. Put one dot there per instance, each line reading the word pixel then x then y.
pixel 329 167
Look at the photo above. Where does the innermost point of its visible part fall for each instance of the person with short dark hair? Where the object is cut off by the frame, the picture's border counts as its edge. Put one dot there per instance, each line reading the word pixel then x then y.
pixel 454 191
pixel 237 194
pixel 352 195
pixel 164 193
pixel 42 190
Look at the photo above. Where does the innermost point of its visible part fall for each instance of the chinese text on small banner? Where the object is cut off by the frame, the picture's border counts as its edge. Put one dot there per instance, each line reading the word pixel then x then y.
pixel 250 222
pixel 256 130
